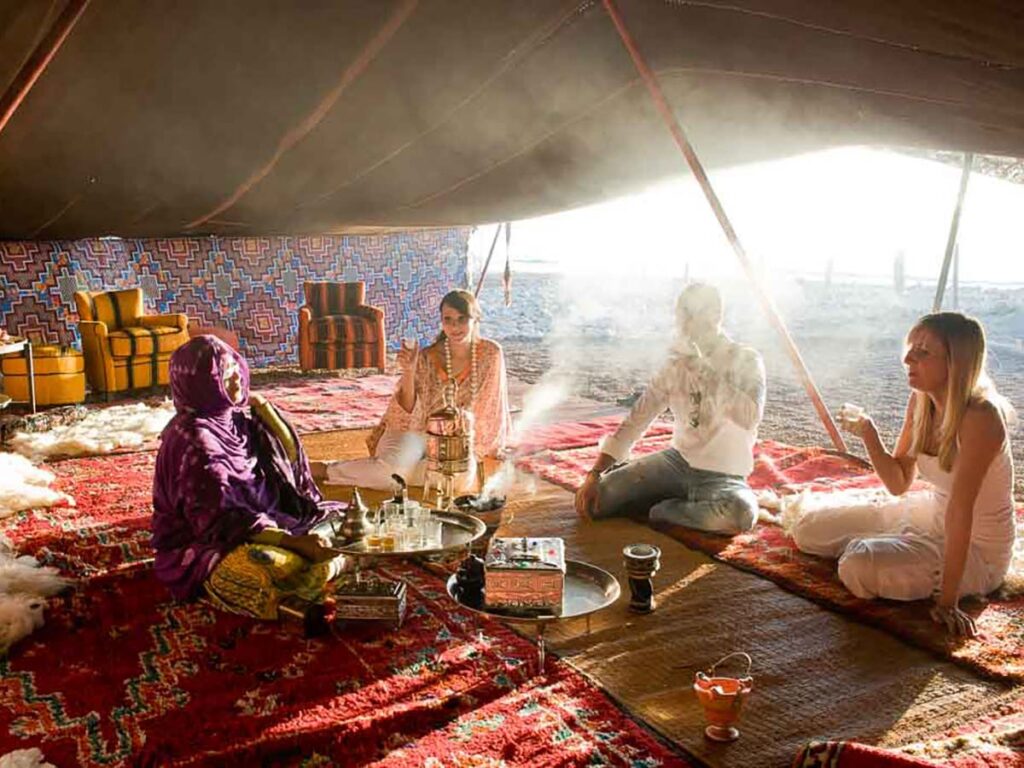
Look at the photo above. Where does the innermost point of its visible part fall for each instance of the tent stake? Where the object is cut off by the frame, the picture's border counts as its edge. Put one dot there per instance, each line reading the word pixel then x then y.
pixel 483 272
pixel 661 104
pixel 39 60
pixel 954 228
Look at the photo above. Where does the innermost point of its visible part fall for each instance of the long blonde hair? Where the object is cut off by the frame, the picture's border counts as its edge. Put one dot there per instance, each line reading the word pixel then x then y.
pixel 967 382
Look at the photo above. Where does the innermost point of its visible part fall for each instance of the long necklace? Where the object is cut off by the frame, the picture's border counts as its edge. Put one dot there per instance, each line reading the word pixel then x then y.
pixel 472 367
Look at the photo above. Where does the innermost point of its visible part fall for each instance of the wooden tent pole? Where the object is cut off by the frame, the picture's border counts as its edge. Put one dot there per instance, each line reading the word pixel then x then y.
pixel 661 104
pixel 41 57
pixel 490 253
pixel 954 228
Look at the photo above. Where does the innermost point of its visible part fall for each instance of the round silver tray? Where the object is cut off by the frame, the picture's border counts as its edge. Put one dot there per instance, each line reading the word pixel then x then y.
pixel 587 589
pixel 458 532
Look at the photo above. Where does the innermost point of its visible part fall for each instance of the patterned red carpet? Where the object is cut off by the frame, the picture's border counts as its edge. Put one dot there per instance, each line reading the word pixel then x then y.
pixel 121 675
pixel 322 403
pixel 998 651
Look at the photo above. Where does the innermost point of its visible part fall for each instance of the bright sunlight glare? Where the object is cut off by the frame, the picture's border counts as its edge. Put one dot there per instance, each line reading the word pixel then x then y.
pixel 858 206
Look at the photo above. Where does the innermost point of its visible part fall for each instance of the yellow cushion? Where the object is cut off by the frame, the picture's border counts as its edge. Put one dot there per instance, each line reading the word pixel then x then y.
pixel 138 340
pixel 117 308
pixel 138 372
pixel 59 375
pixel 46 359
pixel 267 413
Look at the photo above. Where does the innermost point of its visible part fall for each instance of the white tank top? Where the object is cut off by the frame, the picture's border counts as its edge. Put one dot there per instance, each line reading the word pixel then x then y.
pixel 994 528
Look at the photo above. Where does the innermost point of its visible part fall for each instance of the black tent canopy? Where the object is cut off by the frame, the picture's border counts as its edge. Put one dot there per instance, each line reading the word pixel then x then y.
pixel 251 117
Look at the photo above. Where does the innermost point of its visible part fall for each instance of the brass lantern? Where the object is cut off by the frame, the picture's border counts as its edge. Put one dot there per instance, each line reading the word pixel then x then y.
pixel 449 447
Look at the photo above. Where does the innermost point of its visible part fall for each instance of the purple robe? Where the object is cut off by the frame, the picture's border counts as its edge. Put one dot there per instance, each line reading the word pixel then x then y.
pixel 221 475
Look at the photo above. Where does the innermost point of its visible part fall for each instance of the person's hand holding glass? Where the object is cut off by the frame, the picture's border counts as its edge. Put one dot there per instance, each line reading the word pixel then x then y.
pixel 853 419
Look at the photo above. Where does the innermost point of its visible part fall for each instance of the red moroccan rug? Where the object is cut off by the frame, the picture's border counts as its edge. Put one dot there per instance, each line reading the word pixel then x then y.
pixel 121 675
pixel 564 435
pixel 998 651
pixel 850 754
pixel 994 741
pixel 318 404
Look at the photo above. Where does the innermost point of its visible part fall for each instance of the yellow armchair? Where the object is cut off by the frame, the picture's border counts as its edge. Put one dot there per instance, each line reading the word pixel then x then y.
pixel 125 349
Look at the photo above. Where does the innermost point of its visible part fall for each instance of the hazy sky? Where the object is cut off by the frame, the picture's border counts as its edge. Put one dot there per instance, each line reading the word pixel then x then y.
pixel 860 206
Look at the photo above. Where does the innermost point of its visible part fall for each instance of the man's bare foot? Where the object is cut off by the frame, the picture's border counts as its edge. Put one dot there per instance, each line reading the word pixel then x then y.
pixel 319 470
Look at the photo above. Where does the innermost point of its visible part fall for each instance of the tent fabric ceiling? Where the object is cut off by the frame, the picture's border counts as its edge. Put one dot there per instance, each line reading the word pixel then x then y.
pixel 245 117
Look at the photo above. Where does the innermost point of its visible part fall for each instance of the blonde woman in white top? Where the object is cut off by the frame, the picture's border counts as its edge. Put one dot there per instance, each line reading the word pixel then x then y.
pixel 956 538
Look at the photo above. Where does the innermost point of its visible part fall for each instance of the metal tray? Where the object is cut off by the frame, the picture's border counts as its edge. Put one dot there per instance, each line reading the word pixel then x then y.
pixel 459 531
pixel 587 589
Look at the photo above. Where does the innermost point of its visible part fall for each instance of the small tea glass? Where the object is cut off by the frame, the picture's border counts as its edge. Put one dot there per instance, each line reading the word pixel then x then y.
pixel 849 414
pixel 433 533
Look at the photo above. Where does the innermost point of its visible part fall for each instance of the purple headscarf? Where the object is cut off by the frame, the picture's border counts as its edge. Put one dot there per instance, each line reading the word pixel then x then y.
pixel 221 476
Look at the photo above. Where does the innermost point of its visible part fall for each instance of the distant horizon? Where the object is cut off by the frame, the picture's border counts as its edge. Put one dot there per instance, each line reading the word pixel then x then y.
pixel 860 206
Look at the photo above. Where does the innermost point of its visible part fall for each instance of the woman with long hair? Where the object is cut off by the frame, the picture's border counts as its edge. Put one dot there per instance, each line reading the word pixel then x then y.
pixel 459 359
pixel 956 537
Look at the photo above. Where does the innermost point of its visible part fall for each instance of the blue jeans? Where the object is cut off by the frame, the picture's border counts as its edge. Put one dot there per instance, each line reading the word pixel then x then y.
pixel 674 492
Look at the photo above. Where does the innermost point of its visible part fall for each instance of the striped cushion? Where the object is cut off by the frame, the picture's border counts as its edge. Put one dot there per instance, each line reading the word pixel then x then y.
pixel 117 308
pixel 139 340
pixel 334 356
pixel 334 298
pixel 343 329
pixel 141 372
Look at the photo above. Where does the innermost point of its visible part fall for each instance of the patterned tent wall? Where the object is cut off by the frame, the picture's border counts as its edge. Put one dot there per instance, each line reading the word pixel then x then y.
pixel 252 285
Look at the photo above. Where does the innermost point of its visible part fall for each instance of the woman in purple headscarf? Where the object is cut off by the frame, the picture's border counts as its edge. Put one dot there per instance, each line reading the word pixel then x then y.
pixel 234 507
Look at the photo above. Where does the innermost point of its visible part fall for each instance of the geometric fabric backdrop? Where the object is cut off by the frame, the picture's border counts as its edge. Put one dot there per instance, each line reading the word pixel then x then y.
pixel 252 285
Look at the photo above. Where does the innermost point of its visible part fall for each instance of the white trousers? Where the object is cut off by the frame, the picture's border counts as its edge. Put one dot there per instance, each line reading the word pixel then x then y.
pixel 887 546
pixel 397 453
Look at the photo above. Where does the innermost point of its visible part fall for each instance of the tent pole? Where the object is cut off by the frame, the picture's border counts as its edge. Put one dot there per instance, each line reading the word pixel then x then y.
pixel 483 272
pixel 661 104
pixel 954 228
pixel 39 60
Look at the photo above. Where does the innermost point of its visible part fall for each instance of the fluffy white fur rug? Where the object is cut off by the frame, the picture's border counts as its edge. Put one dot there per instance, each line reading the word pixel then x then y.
pixel 24 486
pixel 102 431
pixel 25 758
pixel 24 587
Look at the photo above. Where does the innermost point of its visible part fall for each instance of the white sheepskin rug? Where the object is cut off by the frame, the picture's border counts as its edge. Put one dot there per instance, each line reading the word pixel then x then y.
pixel 102 431
pixel 25 486
pixel 25 758
pixel 24 587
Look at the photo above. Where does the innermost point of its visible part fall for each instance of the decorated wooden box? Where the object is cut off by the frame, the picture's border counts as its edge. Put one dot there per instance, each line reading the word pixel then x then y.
pixel 373 599
pixel 525 575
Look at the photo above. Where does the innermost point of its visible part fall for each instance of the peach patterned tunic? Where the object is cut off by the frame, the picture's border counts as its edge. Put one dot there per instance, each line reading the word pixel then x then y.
pixel 492 419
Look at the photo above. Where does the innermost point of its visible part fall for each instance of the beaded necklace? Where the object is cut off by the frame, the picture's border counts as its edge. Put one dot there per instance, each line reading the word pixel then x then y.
pixel 472 367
